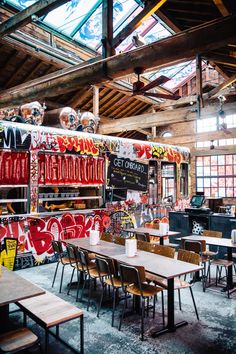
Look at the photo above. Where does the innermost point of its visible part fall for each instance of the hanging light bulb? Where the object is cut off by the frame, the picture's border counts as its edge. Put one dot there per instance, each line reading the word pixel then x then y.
pixel 212 146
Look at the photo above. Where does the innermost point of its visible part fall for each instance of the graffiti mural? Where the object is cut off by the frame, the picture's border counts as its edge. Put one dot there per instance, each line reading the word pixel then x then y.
pixel 34 234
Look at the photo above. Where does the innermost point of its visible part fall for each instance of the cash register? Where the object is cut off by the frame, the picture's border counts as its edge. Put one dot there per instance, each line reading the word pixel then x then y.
pixel 196 203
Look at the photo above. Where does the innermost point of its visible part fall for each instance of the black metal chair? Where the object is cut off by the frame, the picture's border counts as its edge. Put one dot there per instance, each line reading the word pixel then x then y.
pixel 105 266
pixel 90 272
pixel 73 254
pixel 133 282
pixel 61 259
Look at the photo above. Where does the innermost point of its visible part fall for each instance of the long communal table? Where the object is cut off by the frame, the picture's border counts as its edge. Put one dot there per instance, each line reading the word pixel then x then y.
pixel 14 288
pixel 152 232
pixel 163 266
pixel 220 242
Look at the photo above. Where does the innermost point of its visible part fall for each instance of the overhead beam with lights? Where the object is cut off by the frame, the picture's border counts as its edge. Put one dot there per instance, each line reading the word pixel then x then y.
pixel 25 16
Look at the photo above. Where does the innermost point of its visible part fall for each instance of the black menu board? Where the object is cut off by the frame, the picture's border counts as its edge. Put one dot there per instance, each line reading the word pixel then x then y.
pixel 126 173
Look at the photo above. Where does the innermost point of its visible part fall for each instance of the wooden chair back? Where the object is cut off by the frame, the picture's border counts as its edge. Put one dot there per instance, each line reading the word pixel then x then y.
pixel 165 251
pixel 120 241
pixel 212 233
pixel 198 246
pixel 107 237
pixel 144 246
pixel 132 275
pixel 142 236
pixel 17 340
pixel 105 265
pixel 189 257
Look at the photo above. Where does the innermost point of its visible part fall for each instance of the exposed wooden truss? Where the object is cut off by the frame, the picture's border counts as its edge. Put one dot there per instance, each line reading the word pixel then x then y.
pixel 158 54
pixel 41 7
pixel 159 119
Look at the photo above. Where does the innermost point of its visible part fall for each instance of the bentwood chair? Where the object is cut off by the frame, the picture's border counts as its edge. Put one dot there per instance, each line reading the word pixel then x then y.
pixel 133 283
pixel 105 266
pixel 18 340
pixel 61 259
pixel 211 233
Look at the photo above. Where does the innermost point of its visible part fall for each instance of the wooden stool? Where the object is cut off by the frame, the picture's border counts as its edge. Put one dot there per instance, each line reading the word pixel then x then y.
pixel 17 340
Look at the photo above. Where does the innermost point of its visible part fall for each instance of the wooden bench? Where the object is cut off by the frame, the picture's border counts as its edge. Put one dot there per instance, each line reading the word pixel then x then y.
pixel 49 310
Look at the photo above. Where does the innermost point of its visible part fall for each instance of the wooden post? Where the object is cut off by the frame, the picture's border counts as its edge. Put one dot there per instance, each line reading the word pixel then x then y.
pixel 96 101
pixel 199 84
pixel 107 28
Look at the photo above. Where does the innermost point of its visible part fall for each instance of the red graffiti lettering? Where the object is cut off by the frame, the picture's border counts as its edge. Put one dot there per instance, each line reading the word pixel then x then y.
pixel 81 145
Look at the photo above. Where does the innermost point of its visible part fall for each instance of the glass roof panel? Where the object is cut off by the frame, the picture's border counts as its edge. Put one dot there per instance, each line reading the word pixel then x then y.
pixel 66 17
pixel 22 3
pixel 91 32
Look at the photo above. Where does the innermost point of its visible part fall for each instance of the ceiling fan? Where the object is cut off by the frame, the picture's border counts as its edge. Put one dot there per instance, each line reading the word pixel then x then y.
pixel 140 89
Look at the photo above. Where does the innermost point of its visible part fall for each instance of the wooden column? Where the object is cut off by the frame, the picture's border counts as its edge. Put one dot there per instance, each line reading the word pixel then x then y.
pixel 107 28
pixel 96 101
pixel 199 84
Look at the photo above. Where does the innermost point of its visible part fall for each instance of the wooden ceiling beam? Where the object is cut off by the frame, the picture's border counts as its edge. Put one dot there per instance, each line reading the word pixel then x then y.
pixel 221 7
pixel 159 54
pixel 220 59
pixel 34 71
pixel 19 69
pixel 148 10
pixel 79 97
pixel 159 119
pixel 22 18
pixel 222 86
pixel 192 138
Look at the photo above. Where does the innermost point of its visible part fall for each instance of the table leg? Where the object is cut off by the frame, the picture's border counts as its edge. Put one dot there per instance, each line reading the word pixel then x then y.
pixel 171 326
pixel 230 269
pixel 4 318
pixel 162 240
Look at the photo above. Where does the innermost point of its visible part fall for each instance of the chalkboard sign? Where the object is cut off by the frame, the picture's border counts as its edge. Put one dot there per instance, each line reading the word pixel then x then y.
pixel 125 173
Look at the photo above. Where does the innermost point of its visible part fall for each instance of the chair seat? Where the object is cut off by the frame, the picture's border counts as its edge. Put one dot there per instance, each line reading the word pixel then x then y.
pixel 156 279
pixel 116 282
pixel 65 260
pixel 17 340
pixel 209 253
pixel 92 256
pixel 222 262
pixel 148 290
pixel 94 273
pixel 178 283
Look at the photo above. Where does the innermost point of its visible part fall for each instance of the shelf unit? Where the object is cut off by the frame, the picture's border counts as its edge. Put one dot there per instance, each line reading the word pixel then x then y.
pixel 13 200
pixel 69 198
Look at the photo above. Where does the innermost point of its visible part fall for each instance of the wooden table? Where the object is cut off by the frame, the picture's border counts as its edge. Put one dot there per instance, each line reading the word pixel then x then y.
pixel 14 288
pixel 152 232
pixel 104 248
pixel 220 242
pixel 163 266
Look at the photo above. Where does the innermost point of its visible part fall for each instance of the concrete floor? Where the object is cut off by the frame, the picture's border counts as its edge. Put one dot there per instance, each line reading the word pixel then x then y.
pixel 214 333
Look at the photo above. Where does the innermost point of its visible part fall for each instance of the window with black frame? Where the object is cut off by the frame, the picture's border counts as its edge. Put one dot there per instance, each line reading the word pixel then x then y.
pixel 216 175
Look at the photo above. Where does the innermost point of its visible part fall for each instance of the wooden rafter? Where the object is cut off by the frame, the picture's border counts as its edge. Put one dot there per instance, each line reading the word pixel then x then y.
pixel 221 7
pixel 162 53
pixel 17 71
pixel 222 86
pixel 149 120
pixel 22 18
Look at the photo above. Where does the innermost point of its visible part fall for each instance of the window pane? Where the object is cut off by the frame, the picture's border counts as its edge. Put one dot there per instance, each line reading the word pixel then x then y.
pixel 221 182
pixel 229 182
pixel 213 160
pixel 207 160
pixel 206 171
pixel 199 182
pixel 221 170
pixel 221 160
pixel 199 171
pixel 214 170
pixel 221 192
pixel 229 192
pixel 229 170
pixel 229 159
pixel 207 182
pixel 214 182
pixel 199 161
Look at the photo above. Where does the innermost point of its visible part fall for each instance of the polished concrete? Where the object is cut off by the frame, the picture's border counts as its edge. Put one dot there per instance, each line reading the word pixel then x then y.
pixel 214 333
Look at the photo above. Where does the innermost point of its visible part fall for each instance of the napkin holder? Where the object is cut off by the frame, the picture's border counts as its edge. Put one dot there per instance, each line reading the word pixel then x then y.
pixel 94 237
pixel 233 236
pixel 131 247
pixel 163 228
